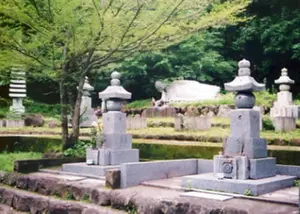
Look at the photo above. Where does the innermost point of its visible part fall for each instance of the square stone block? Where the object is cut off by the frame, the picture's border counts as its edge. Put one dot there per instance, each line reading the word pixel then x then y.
pixel 284 124
pixel 104 157
pixel 255 148
pixel 233 146
pixel 233 168
pixel 124 156
pixel 244 123
pixel 257 187
pixel 114 122
pixel 92 155
pixel 117 141
pixel 262 168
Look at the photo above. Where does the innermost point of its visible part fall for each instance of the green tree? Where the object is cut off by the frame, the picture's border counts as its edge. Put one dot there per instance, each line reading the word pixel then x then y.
pixel 68 39
pixel 199 57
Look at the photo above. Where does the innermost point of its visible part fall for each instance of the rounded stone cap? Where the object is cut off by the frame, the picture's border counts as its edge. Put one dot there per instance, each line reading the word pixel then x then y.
pixel 244 64
pixel 244 68
pixel 115 75
pixel 115 90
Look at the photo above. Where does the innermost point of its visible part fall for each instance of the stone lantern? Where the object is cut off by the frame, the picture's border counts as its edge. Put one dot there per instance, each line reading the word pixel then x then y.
pixel 87 113
pixel 244 153
pixel 284 113
pixel 243 166
pixel 117 146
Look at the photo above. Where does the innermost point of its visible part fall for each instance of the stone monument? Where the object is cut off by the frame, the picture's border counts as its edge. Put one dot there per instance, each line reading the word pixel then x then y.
pixel 284 113
pixel 243 165
pixel 117 146
pixel 87 114
pixel 17 91
pixel 186 91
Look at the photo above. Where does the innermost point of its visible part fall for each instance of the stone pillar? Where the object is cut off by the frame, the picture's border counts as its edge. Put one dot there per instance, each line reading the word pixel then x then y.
pixel 17 91
pixel 86 111
pixel 284 113
pixel 117 147
pixel 244 153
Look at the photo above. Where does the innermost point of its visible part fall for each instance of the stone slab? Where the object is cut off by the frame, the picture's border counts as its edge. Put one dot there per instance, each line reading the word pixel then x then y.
pixel 133 174
pixel 288 170
pixel 255 148
pixel 205 166
pixel 84 169
pixel 124 156
pixel 206 195
pixel 92 155
pixel 262 168
pixel 114 122
pixel 244 123
pixel 117 141
pixel 256 187
pixel 104 157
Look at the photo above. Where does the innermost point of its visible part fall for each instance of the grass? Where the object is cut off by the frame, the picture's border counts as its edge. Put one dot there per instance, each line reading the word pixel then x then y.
pixel 7 159
pixel 139 104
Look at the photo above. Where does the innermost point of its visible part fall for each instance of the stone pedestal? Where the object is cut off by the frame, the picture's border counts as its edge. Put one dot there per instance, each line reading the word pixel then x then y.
pixel 117 147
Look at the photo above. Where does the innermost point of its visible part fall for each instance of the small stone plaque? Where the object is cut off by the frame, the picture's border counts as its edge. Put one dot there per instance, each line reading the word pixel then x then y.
pixel 206 195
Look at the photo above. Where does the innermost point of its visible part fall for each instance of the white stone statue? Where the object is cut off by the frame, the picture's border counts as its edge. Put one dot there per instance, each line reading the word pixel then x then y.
pixel 284 113
pixel 186 91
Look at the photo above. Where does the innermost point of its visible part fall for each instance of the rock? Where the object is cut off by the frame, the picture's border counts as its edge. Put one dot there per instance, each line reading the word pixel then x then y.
pixel 224 111
pixel 6 209
pixel 21 202
pixel 113 178
pixel 191 111
pixel 10 179
pixel 53 124
pixel 79 192
pixel 35 120
pixel 22 182
pixel 39 205
pixel 7 197
pixel 56 206
pixel 210 114
pixel 100 197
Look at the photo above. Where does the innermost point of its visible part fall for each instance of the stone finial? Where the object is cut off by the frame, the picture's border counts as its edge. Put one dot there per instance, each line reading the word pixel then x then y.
pixel 244 82
pixel 284 79
pixel 115 90
pixel 244 68
pixel 87 86
pixel 115 78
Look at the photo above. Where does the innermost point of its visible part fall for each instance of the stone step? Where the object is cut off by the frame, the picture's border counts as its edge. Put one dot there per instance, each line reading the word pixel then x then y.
pixel 25 201
pixel 139 199
pixel 9 210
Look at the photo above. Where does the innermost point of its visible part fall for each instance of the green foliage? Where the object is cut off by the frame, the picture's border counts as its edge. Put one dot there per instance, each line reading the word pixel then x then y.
pixel 33 107
pixel 7 159
pixel 78 149
pixel 85 198
pixel 267 123
pixel 139 104
pixel 248 192
pixel 297 183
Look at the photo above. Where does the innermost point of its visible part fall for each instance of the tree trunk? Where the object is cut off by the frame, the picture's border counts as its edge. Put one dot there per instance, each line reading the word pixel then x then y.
pixel 64 115
pixel 76 112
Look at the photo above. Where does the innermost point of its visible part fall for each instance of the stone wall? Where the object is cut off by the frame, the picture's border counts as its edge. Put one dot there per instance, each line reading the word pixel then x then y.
pixel 211 110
